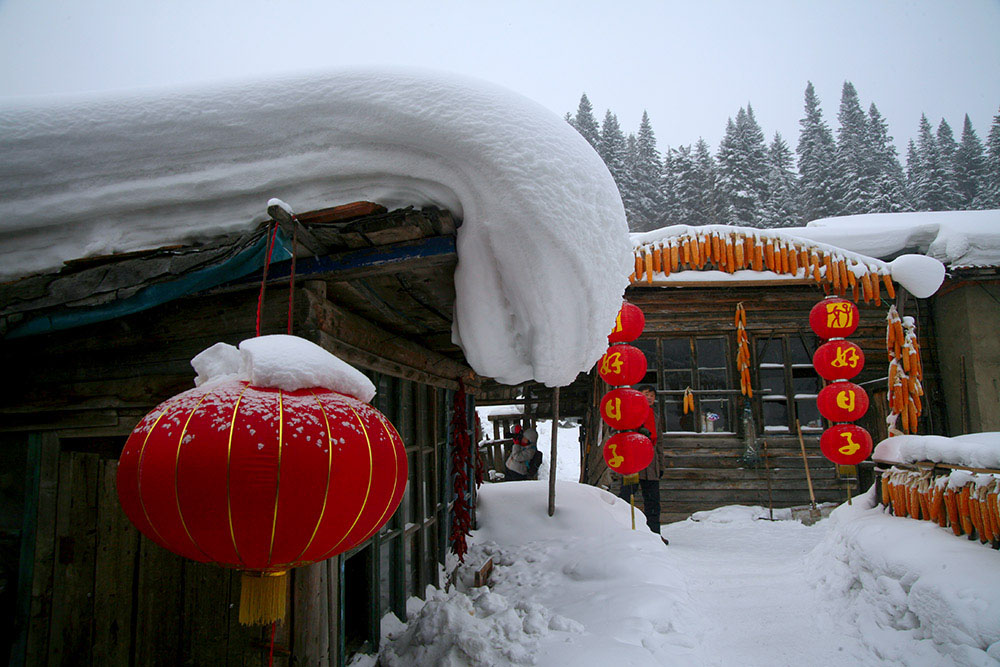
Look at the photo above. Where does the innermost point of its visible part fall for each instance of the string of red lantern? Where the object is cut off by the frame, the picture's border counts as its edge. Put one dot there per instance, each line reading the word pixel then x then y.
pixel 623 409
pixel 837 361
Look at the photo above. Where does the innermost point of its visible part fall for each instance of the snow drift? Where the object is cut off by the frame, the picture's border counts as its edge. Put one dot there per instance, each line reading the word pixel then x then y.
pixel 543 248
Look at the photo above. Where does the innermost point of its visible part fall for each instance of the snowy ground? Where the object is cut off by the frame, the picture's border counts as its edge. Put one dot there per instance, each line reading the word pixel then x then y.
pixel 732 588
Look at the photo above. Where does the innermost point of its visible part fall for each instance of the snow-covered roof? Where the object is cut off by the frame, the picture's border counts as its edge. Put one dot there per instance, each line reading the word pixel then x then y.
pixel 543 247
pixel 682 254
pixel 956 238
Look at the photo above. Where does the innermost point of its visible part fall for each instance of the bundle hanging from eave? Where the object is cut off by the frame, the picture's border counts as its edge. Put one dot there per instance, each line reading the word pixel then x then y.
pixel 905 373
pixel 736 249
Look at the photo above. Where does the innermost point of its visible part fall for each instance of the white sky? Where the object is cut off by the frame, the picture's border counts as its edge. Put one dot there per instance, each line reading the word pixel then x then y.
pixel 691 64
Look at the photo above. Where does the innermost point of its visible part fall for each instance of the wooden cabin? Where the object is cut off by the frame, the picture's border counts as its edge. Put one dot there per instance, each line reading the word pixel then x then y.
pixel 734 449
pixel 90 349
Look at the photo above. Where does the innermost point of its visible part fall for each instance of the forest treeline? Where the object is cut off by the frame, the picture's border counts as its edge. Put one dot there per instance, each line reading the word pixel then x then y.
pixel 752 182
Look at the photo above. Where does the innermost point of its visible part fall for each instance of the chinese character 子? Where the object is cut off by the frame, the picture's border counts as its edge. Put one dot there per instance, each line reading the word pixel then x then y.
pixel 839 315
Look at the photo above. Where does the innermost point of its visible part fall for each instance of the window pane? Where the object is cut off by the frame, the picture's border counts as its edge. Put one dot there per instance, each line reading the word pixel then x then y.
pixel 676 353
pixel 714 415
pixel 805 381
pixel 769 352
pixel 676 420
pixel 711 352
pixel 713 379
pixel 677 379
pixel 809 416
pixel 385 576
pixel 430 486
pixel 797 352
pixel 773 379
pixel 412 559
pixel 775 413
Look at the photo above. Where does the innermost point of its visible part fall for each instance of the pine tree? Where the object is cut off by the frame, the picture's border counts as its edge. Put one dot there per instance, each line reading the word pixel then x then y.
pixel 816 158
pixel 781 208
pixel 613 149
pixel 930 185
pixel 711 206
pixel 890 183
pixel 647 174
pixel 742 159
pixel 947 147
pixel 854 181
pixel 990 195
pixel 970 165
pixel 585 123
pixel 671 212
pixel 912 171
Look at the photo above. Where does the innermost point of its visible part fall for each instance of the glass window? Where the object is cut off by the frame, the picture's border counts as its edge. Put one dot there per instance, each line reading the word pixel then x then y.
pixel 787 383
pixel 703 364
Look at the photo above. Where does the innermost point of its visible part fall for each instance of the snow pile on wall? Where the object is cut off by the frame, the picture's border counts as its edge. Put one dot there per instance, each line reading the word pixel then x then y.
pixel 282 362
pixel 975 450
pixel 577 588
pixel 912 591
pixel 956 238
pixel 543 248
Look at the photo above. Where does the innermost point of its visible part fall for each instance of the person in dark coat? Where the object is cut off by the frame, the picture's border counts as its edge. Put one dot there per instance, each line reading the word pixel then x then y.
pixel 524 456
pixel 649 477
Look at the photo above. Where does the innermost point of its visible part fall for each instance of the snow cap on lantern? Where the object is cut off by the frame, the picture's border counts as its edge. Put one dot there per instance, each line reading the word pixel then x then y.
pixel 628 324
pixel 629 452
pixel 270 463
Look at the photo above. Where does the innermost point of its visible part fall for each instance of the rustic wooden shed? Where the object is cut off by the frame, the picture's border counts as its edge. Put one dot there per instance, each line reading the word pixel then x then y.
pixel 717 452
pixel 93 347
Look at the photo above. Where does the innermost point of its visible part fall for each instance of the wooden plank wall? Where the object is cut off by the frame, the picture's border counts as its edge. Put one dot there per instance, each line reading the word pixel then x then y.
pixel 706 471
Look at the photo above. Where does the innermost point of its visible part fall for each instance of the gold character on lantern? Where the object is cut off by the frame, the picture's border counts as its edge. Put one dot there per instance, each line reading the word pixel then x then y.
pixel 850 447
pixel 612 363
pixel 613 409
pixel 845 400
pixel 618 323
pixel 846 356
pixel 617 459
pixel 839 315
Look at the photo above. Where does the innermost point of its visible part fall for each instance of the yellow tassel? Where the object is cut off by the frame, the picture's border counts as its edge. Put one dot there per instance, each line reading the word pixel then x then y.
pixel 262 597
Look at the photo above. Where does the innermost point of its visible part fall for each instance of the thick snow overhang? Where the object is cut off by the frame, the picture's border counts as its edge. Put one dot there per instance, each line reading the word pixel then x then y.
pixel 682 255
pixel 542 245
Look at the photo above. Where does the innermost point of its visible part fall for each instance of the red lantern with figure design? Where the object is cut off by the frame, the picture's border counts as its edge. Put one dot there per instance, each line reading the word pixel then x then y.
pixel 261 480
pixel 846 444
pixel 838 360
pixel 622 365
pixel 628 453
pixel 842 401
pixel 624 409
pixel 628 324
pixel 834 317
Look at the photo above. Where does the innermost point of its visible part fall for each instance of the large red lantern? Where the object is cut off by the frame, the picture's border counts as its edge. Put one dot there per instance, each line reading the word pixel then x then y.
pixel 628 324
pixel 842 401
pixel 622 365
pixel 846 444
pixel 628 453
pixel 838 360
pixel 624 409
pixel 833 317
pixel 261 480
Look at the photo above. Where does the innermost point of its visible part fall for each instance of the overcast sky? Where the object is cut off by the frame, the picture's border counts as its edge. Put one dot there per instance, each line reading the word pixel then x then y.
pixel 691 64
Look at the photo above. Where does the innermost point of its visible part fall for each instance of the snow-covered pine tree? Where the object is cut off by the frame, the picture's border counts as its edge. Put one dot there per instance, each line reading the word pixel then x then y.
pixel 585 123
pixel 890 182
pixel 930 186
pixel 816 157
pixel 742 159
pixel 670 213
pixel 854 167
pixel 687 189
pixel 970 166
pixel 781 208
pixel 912 172
pixel 711 205
pixel 990 195
pixel 613 149
pixel 647 174
pixel 947 147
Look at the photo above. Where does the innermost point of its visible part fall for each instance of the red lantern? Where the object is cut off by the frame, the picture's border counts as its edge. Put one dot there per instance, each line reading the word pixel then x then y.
pixel 628 324
pixel 842 401
pixel 628 453
pixel 846 444
pixel 261 480
pixel 834 317
pixel 624 409
pixel 622 365
pixel 838 360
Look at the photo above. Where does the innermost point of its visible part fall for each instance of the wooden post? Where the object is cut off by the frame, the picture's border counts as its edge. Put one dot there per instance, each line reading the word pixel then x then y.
pixel 805 461
pixel 552 454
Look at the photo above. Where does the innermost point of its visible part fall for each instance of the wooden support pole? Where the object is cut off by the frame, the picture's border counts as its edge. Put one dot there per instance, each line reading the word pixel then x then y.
pixel 805 461
pixel 552 454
